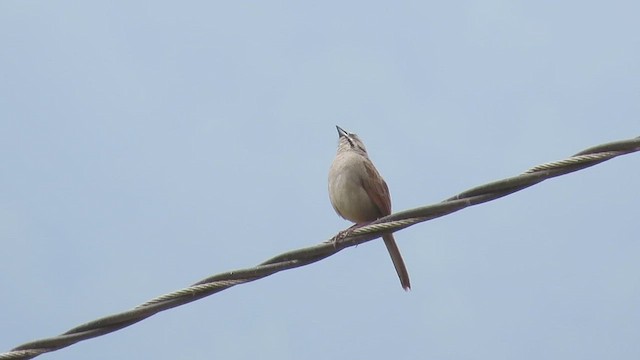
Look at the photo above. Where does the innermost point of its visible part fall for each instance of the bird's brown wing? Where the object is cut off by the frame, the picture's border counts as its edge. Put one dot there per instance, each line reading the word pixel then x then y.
pixel 377 189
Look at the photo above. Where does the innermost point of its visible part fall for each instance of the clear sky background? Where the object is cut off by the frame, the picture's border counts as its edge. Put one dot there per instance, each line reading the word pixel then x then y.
pixel 147 145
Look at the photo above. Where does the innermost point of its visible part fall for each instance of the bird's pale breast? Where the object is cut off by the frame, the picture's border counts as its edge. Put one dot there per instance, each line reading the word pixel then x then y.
pixel 347 195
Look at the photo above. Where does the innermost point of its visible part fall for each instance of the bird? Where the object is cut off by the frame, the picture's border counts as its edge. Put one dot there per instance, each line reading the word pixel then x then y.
pixel 358 193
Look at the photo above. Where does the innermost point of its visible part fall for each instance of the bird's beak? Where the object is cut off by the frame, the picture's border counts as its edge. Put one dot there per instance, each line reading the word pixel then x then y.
pixel 341 131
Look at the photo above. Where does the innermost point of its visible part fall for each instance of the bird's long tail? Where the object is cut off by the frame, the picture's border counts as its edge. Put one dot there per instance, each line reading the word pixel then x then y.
pixel 398 263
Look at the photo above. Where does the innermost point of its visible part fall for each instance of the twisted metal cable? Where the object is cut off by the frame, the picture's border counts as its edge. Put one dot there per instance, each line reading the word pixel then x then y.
pixel 305 256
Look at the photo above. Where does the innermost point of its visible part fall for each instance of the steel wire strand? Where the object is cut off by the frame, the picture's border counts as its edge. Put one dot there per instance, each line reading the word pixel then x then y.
pixel 308 255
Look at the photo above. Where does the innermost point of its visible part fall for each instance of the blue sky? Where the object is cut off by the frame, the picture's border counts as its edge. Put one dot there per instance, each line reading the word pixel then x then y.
pixel 145 146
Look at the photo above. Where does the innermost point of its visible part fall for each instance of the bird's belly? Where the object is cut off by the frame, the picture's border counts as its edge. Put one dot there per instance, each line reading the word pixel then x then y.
pixel 353 202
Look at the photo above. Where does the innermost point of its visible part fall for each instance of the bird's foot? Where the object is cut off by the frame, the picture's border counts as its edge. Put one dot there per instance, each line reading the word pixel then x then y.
pixel 345 233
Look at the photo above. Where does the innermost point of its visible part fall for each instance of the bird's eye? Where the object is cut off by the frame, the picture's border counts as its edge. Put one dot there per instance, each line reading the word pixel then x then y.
pixel 351 144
